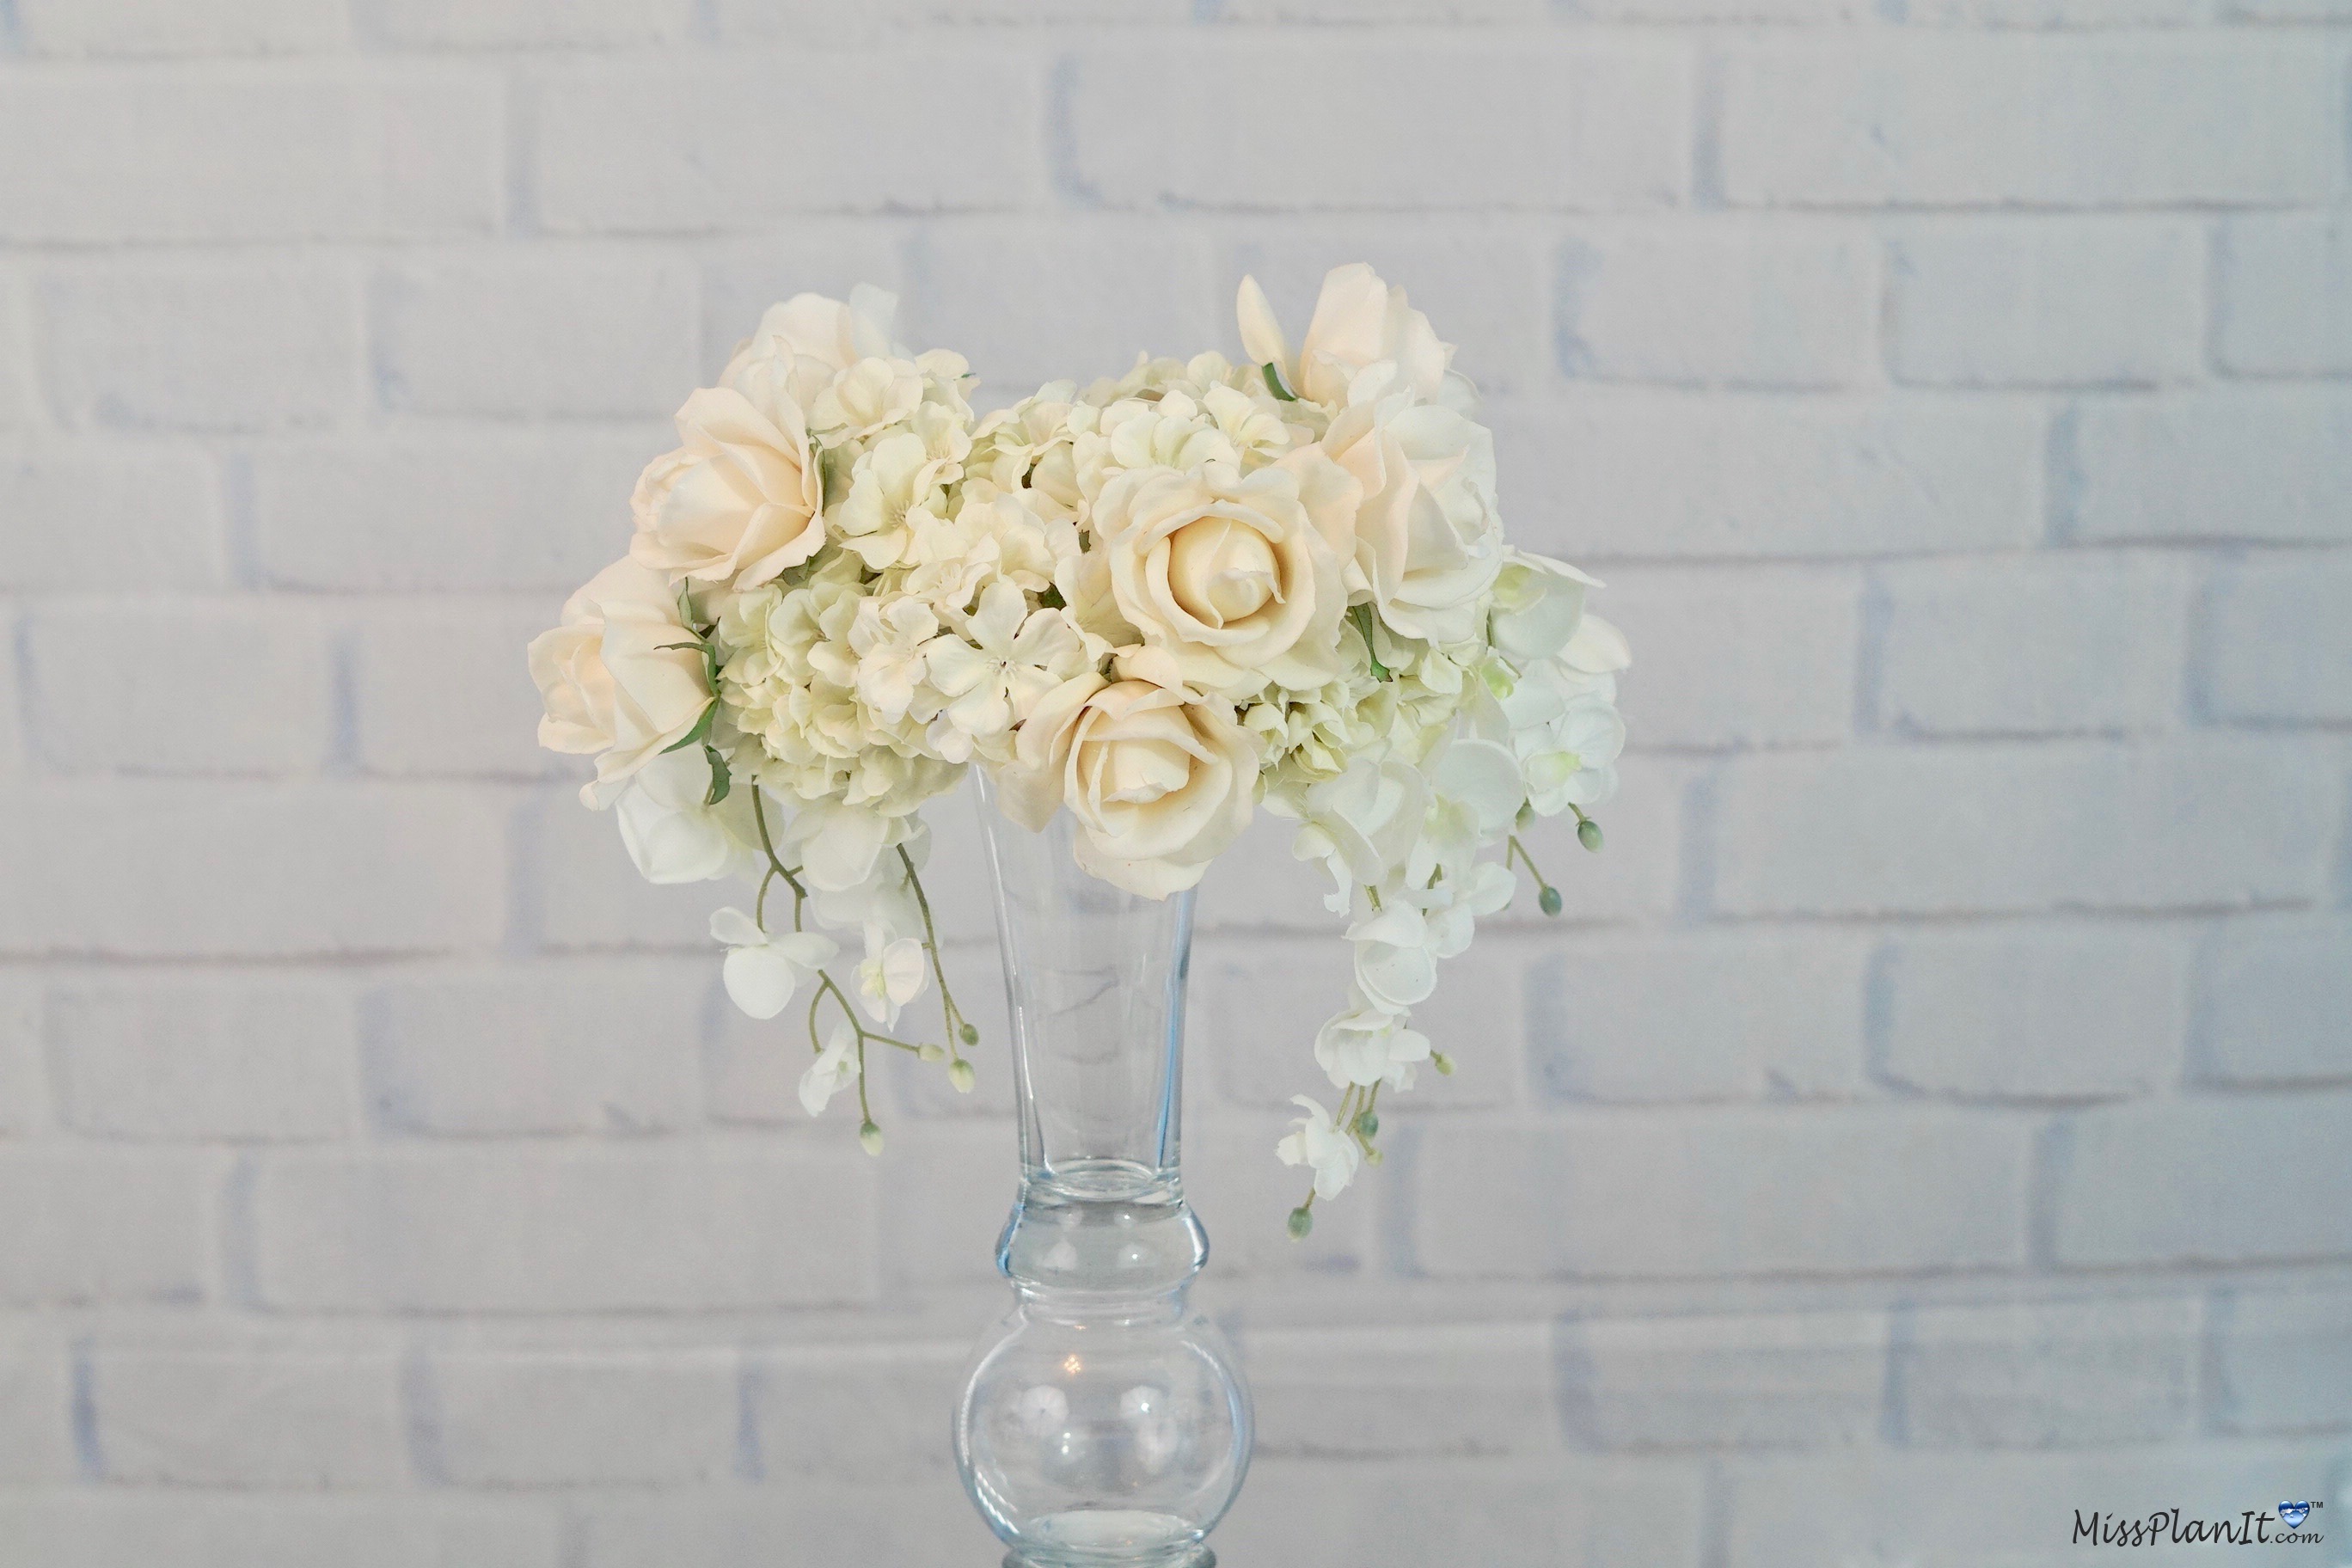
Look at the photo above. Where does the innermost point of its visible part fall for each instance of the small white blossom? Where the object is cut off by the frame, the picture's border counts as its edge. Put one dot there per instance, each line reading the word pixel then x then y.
pixel 890 976
pixel 764 969
pixel 1370 1046
pixel 831 1072
pixel 1314 1142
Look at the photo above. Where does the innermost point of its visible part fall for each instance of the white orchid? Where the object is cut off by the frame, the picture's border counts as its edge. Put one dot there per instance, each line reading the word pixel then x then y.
pixel 1315 1141
pixel 1395 964
pixel 832 1072
pixel 1361 824
pixel 671 834
pixel 765 970
pixel 890 976
pixel 1371 1046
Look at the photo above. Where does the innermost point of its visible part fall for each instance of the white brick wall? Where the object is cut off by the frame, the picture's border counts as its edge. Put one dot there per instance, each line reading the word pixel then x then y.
pixel 1930 1120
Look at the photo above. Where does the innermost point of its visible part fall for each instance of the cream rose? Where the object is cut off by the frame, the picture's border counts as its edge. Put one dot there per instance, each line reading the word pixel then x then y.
pixel 610 679
pixel 1358 321
pixel 739 502
pixel 1427 542
pixel 1158 783
pixel 802 344
pixel 1228 574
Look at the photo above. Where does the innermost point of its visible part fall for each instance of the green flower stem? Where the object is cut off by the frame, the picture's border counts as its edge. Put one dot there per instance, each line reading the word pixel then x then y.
pixel 800 894
pixel 951 1016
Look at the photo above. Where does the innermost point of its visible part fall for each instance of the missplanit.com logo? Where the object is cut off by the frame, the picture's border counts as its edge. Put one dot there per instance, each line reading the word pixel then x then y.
pixel 2171 1527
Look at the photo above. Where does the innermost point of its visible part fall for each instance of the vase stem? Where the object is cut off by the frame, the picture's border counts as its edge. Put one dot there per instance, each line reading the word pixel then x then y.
pixel 1104 1425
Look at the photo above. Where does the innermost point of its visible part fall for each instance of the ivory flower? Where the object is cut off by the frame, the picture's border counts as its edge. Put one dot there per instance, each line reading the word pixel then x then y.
pixel 671 835
pixel 1370 1046
pixel 832 1072
pixel 612 679
pixel 1360 321
pixel 1159 782
pixel 765 970
pixel 890 974
pixel 739 502
pixel 1225 573
pixel 802 344
pixel 1394 966
pixel 1006 660
pixel 1360 825
pixel 1327 1150
pixel 1539 603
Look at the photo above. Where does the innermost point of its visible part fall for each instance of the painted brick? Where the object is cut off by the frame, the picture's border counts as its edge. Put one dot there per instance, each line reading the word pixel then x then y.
pixel 2049 1014
pixel 1710 304
pixel 205 1057
pixel 2283 1361
pixel 190 1530
pixel 2058 1374
pixel 1765 1380
pixel 301 1419
pixel 100 707
pixel 2030 646
pixel 685 145
pixel 2278 645
pixel 2048 303
pixel 1028 302
pixel 1651 476
pixel 1483 284
pixel 562 1048
pixel 1387 1392
pixel 24 1073
pixel 559 334
pixel 15 358
pixel 1375 11
pixel 1893 1506
pixel 582 1418
pixel 728 1527
pixel 523 24
pixel 1550 1511
pixel 294 154
pixel 503 1232
pixel 2269 464
pixel 1990 122
pixel 945 1189
pixel 143 519
pixel 233 346
pixel 36 1442
pixel 2057 14
pixel 1739 1192
pixel 2020 827
pixel 181 27
pixel 2174 1181
pixel 740 279
pixel 1585 125
pixel 545 509
pixel 83 1227
pixel 443 690
pixel 1751 1018
pixel 2272 1003
pixel 16 745
pixel 1752 656
pixel 854 1413
pixel 275 871
pixel 2285 291
pixel 588 894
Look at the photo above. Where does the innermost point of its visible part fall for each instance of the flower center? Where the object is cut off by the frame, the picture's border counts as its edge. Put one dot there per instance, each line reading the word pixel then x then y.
pixel 1220 572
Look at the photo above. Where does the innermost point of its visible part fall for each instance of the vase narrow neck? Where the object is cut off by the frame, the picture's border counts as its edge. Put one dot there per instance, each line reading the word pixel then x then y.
pixel 1095 978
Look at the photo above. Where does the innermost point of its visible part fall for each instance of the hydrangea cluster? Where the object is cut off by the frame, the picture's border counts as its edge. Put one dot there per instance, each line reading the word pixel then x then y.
pixel 1158 604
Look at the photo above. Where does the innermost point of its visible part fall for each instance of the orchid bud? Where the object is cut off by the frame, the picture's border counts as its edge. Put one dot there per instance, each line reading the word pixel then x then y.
pixel 969 1035
pixel 1300 1223
pixel 960 1074
pixel 1549 901
pixel 1588 833
pixel 931 1053
pixel 870 1138
pixel 1442 1063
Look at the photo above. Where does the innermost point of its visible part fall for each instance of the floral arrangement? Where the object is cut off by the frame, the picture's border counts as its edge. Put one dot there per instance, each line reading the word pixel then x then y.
pixel 1158 604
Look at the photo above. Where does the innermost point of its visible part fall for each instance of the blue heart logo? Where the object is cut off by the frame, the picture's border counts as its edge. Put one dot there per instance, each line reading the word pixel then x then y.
pixel 2294 1513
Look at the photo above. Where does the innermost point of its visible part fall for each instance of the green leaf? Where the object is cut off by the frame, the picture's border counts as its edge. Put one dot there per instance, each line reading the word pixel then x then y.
pixel 701 729
pixel 720 781
pixel 1362 616
pixel 1274 383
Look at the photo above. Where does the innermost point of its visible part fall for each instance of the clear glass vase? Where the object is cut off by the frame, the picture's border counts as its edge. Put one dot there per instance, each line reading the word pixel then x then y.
pixel 1104 1425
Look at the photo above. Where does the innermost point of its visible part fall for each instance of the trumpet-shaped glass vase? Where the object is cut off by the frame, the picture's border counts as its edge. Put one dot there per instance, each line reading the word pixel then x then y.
pixel 1104 1425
